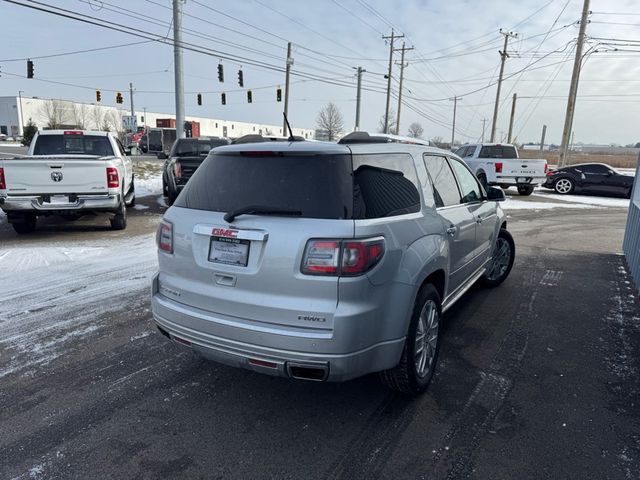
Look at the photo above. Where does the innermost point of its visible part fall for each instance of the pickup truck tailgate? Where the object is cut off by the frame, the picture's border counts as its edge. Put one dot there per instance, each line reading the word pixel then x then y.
pixel 38 175
pixel 524 168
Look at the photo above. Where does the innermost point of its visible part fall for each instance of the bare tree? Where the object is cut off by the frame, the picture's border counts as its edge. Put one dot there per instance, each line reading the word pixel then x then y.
pixel 80 115
pixel 97 117
pixel 330 121
pixel 393 122
pixel 437 141
pixel 415 130
pixel 114 120
pixel 55 113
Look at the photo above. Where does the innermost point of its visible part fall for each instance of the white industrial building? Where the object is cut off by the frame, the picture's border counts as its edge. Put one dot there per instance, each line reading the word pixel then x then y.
pixel 15 112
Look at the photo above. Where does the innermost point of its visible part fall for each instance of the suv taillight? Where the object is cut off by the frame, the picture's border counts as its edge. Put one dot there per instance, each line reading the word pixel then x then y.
pixel 498 167
pixel 3 183
pixel 342 257
pixel 177 169
pixel 164 237
pixel 112 177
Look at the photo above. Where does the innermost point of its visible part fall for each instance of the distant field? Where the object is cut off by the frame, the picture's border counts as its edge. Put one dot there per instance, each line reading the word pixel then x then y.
pixel 621 161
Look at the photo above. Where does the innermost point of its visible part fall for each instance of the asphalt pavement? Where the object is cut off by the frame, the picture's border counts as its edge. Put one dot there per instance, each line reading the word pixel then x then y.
pixel 537 378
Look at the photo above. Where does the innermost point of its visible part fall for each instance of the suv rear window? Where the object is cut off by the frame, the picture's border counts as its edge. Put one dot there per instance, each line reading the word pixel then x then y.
pixel 73 145
pixel 498 151
pixel 318 185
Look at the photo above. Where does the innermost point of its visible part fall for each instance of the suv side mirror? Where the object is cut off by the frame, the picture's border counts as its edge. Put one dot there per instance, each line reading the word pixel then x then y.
pixel 162 156
pixel 496 194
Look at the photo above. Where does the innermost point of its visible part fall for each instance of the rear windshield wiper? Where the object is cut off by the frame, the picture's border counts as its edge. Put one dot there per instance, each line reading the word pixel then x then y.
pixel 260 210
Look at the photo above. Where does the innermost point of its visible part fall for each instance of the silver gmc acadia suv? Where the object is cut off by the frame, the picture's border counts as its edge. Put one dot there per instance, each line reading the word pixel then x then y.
pixel 324 261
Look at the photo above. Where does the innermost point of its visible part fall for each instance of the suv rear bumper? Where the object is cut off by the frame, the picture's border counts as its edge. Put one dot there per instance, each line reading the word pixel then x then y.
pixel 257 350
pixel 36 203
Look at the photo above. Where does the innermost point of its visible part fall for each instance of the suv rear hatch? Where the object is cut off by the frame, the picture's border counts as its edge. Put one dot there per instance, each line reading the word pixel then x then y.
pixel 248 269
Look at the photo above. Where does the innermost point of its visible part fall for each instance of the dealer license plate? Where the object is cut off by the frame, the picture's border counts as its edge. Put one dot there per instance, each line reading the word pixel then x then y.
pixel 229 251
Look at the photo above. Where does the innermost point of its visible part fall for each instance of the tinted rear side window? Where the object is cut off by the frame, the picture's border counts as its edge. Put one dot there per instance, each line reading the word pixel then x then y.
pixel 72 145
pixel 498 151
pixel 320 186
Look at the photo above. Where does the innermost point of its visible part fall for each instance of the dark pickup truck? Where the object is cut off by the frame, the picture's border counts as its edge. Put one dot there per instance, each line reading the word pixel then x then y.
pixel 184 159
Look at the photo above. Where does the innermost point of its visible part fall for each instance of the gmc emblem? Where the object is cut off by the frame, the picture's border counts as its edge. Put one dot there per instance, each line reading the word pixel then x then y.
pixel 224 232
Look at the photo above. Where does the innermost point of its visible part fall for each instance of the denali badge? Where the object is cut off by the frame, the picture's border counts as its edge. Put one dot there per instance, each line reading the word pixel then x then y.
pixel 311 318
pixel 56 176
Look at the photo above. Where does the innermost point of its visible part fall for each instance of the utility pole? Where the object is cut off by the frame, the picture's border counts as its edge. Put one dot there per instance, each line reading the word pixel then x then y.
pixel 133 112
pixel 484 122
pixel 358 98
pixel 453 128
pixel 402 65
pixel 286 90
pixel 178 68
pixel 573 89
pixel 503 57
pixel 544 133
pixel 386 111
pixel 513 114
pixel 21 126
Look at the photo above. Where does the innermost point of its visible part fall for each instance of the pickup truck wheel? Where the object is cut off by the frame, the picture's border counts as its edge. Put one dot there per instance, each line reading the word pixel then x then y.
pixel 420 354
pixel 27 225
pixel 504 253
pixel 482 178
pixel 525 190
pixel 563 186
pixel 119 221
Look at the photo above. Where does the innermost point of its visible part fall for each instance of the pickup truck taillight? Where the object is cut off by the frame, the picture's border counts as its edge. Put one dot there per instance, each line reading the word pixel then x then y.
pixel 342 257
pixel 177 169
pixel 498 166
pixel 112 177
pixel 3 183
pixel 546 168
pixel 164 237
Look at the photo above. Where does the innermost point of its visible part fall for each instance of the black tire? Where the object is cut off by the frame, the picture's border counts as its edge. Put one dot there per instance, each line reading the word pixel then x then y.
pixel 498 273
pixel 171 198
pixel 26 225
pixel 564 186
pixel 119 221
pixel 525 190
pixel 405 377
pixel 482 178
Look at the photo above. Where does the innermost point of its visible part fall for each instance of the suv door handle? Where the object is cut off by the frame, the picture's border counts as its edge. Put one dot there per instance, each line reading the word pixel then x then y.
pixel 451 231
pixel 479 219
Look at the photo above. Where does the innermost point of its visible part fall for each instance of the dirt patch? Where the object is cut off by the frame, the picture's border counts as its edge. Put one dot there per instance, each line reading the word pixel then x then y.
pixel 619 161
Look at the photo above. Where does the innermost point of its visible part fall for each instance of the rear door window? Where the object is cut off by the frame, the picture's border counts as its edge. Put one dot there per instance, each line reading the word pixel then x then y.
pixel 445 187
pixel 385 185
pixel 318 185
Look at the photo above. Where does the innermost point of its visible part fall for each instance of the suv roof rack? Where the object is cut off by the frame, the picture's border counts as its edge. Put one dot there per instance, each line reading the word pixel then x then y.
pixel 255 138
pixel 365 137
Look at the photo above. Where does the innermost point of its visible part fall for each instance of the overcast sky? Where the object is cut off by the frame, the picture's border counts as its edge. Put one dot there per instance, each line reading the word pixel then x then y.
pixel 455 42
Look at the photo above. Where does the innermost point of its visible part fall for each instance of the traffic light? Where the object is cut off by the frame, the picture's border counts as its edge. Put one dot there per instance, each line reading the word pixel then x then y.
pixel 98 96
pixel 223 98
pixel 240 78
pixel 29 69
pixel 279 95
pixel 249 96
pixel 119 97
pixel 220 72
pixel 199 99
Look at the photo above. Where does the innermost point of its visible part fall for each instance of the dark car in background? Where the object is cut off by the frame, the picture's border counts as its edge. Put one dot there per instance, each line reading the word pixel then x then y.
pixel 592 178
pixel 185 157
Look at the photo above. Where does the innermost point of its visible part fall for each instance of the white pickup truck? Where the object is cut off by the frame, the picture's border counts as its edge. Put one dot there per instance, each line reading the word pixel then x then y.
pixel 69 173
pixel 498 164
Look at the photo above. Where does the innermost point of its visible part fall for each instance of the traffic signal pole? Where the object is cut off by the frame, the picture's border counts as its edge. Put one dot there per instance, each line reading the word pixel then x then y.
pixel 133 112
pixel 178 67
pixel 286 90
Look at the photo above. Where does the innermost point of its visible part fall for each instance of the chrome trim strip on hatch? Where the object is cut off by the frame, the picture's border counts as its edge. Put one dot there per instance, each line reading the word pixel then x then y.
pixel 226 231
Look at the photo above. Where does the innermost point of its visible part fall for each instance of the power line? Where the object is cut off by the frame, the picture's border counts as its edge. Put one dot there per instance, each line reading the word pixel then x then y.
pixel 74 52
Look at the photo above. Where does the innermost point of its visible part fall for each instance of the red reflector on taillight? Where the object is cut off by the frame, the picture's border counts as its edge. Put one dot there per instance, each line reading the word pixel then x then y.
pixel 164 237
pixel 321 257
pixel 72 132
pixel 112 177
pixel 262 363
pixel 3 183
pixel 177 169
pixel 498 167
pixel 360 256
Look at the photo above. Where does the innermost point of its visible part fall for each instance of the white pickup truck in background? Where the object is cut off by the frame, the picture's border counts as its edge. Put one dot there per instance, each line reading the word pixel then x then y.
pixel 498 164
pixel 70 173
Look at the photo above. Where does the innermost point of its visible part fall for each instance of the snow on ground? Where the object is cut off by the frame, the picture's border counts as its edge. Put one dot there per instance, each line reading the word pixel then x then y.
pixel 514 204
pixel 584 199
pixel 61 291
pixel 148 185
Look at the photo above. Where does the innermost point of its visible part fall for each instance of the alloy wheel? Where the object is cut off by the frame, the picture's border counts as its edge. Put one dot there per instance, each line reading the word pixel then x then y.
pixel 501 259
pixel 426 341
pixel 563 186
